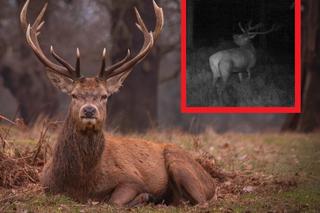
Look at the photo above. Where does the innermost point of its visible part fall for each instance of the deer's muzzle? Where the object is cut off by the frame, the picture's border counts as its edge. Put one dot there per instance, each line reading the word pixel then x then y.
pixel 89 114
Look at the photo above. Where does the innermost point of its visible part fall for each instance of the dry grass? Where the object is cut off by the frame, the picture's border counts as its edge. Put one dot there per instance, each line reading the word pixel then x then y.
pixel 254 172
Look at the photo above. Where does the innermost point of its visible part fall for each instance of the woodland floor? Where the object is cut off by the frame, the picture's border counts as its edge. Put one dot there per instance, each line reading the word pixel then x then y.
pixel 273 172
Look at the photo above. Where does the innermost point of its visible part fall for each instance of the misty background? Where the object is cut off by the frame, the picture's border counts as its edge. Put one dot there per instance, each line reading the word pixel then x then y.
pixel 150 97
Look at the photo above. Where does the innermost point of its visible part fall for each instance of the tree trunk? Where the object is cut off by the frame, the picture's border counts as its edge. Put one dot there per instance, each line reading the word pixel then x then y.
pixel 134 108
pixel 22 75
pixel 32 92
pixel 308 120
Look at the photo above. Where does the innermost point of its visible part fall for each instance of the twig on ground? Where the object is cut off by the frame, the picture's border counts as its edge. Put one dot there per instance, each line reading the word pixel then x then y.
pixel 2 117
pixel 43 140
pixel 4 141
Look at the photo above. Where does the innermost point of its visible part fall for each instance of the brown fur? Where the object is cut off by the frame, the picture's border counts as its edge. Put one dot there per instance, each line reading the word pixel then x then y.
pixel 87 164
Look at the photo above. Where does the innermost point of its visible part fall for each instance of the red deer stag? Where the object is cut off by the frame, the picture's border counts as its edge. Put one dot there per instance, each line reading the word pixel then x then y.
pixel 238 60
pixel 86 164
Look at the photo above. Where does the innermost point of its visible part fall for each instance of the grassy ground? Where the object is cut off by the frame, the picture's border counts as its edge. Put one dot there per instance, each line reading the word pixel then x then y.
pixel 271 84
pixel 273 173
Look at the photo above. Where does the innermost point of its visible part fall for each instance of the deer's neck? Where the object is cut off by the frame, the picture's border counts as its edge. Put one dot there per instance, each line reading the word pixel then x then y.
pixel 77 153
pixel 249 46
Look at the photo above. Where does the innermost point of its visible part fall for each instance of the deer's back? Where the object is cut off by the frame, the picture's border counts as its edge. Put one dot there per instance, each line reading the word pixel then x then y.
pixel 239 58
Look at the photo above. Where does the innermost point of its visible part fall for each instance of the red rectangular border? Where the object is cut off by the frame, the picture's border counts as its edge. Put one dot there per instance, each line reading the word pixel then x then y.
pixel 297 83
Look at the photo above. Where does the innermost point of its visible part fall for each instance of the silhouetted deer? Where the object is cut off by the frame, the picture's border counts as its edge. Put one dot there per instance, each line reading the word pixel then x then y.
pixel 86 164
pixel 236 60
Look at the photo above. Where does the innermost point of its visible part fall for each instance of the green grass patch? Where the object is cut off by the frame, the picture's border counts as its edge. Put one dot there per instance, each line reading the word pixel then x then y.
pixel 289 165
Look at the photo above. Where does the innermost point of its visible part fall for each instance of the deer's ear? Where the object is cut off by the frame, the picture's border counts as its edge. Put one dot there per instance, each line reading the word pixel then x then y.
pixel 114 83
pixel 61 82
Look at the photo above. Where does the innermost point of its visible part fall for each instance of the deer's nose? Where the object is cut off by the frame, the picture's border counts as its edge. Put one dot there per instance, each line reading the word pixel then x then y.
pixel 89 111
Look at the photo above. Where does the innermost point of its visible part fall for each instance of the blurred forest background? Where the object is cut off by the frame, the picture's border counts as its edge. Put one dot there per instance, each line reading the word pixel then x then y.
pixel 151 95
pixel 272 172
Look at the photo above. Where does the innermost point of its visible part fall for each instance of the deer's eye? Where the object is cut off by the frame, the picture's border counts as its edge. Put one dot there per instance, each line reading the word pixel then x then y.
pixel 74 96
pixel 104 97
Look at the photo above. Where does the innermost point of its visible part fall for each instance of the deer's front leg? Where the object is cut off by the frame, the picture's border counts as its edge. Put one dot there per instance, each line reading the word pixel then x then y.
pixel 128 195
pixel 214 80
pixel 140 200
pixel 249 73
pixel 240 76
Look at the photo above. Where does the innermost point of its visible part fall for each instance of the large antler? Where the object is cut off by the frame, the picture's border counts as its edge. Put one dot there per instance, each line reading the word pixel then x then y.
pixel 273 28
pixel 32 33
pixel 249 28
pixel 126 65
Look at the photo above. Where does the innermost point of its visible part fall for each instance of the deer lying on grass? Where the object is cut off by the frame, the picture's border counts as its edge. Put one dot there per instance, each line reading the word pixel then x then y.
pixel 238 60
pixel 86 164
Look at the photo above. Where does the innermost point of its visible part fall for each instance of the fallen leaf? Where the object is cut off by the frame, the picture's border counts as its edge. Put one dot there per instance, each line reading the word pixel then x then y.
pixel 248 189
pixel 227 183
pixel 243 157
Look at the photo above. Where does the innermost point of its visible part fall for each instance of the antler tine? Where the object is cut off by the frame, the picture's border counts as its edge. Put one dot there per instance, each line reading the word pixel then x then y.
pixel 39 17
pixel 53 67
pixel 61 60
pixel 117 65
pixel 103 65
pixel 160 20
pixel 148 43
pixel 40 26
pixel 32 33
pixel 254 27
pixel 78 75
pixel 273 28
pixel 241 28
pixel 23 16
pixel 37 25
pixel 141 25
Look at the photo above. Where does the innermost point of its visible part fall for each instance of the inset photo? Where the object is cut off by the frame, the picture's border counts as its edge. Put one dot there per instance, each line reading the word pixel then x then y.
pixel 241 56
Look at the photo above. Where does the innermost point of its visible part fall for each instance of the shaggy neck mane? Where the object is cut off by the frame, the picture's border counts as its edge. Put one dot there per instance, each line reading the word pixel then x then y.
pixel 76 154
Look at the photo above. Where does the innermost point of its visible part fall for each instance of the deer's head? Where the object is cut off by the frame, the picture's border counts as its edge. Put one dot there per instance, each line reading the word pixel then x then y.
pixel 248 33
pixel 89 95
